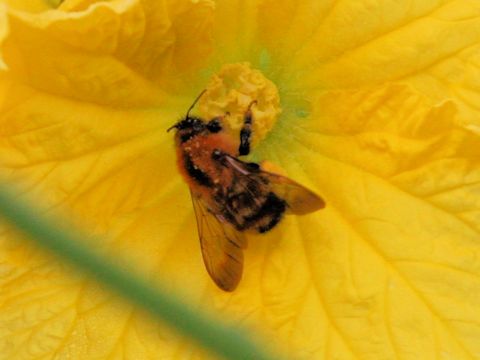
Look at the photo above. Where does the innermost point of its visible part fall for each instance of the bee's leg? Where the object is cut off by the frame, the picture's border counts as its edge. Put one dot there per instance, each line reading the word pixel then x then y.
pixel 246 131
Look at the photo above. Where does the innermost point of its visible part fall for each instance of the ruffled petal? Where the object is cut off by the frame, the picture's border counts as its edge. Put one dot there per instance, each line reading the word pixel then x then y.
pixel 121 53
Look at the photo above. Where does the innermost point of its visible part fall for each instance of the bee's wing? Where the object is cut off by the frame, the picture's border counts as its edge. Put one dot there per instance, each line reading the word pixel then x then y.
pixel 300 200
pixel 222 246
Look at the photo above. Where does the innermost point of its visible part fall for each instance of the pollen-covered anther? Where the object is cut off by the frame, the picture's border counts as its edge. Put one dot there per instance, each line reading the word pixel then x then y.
pixel 231 91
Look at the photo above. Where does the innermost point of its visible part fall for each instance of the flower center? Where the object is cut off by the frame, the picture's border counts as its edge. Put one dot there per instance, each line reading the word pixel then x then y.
pixel 230 91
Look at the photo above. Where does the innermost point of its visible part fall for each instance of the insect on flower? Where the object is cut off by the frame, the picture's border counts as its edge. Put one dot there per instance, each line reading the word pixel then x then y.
pixel 230 196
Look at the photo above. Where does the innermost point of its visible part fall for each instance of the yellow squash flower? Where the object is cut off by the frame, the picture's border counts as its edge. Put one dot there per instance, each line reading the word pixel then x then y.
pixel 373 104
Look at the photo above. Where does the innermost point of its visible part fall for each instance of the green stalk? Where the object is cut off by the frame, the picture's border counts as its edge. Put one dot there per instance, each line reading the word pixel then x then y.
pixel 222 340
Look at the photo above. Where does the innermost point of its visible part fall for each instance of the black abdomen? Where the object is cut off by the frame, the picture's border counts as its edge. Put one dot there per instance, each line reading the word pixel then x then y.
pixel 249 204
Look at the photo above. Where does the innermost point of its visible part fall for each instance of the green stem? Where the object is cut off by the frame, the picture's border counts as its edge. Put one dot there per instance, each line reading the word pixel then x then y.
pixel 68 244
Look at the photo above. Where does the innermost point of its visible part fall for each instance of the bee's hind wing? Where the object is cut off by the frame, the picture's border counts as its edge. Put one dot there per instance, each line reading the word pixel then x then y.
pixel 300 200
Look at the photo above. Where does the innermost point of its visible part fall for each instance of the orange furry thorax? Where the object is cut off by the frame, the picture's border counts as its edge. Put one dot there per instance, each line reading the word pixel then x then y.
pixel 200 149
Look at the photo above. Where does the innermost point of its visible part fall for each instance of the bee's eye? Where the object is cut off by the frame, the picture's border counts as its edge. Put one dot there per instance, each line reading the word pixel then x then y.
pixel 214 126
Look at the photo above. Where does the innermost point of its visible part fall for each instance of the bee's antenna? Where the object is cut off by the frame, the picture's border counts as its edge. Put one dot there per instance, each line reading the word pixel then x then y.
pixel 253 102
pixel 196 100
pixel 172 127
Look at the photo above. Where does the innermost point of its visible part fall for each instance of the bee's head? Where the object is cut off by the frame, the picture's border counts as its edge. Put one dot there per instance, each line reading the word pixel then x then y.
pixel 191 126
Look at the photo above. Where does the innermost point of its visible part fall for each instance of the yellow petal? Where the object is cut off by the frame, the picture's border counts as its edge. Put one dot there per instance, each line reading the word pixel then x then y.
pixel 393 259
pixel 107 175
pixel 352 38
pixel 432 45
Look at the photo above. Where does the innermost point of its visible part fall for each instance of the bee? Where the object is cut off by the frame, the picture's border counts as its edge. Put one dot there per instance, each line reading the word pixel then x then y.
pixel 232 197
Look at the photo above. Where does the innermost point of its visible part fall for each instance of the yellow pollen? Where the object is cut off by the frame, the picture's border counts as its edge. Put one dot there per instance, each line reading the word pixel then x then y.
pixel 230 92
